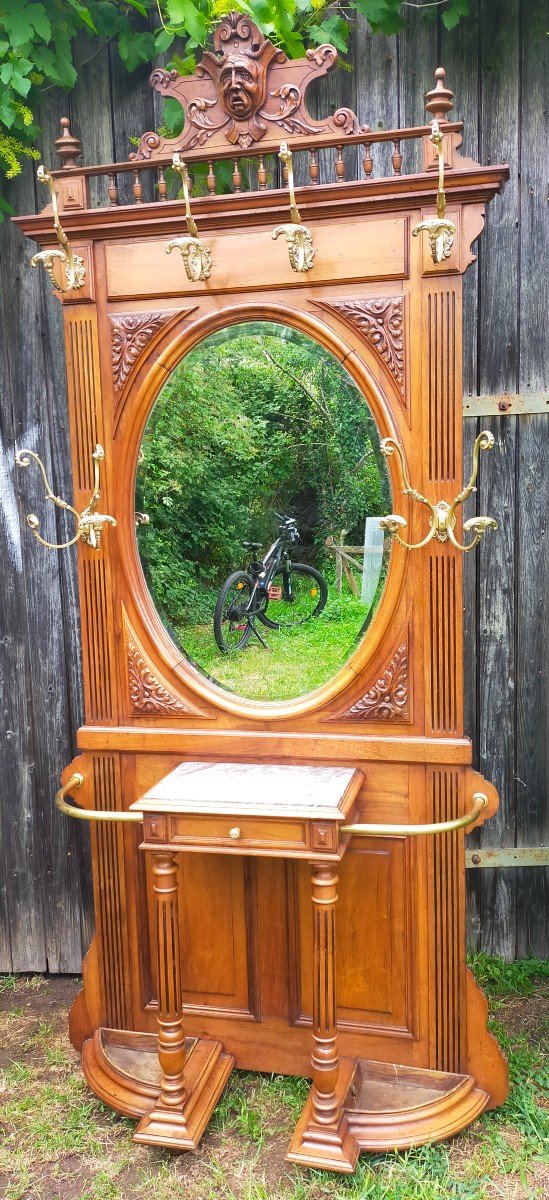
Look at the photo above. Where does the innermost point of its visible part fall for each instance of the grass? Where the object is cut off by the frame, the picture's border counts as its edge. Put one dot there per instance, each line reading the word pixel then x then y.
pixel 297 660
pixel 59 1143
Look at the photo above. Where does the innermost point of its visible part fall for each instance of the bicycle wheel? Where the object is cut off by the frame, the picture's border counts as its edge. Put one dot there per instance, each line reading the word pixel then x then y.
pixel 295 595
pixel 231 628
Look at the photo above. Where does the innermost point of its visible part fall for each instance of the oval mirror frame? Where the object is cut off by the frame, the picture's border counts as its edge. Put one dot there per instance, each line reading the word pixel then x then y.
pixel 141 397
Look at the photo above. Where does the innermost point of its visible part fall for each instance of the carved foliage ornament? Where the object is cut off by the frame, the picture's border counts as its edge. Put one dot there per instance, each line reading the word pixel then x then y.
pixel 244 93
pixel 149 697
pixel 381 323
pixel 387 698
pixel 130 334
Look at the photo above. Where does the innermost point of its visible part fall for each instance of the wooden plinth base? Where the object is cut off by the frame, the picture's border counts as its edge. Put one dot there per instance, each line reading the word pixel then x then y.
pixel 206 1072
pixel 331 1147
pixel 395 1107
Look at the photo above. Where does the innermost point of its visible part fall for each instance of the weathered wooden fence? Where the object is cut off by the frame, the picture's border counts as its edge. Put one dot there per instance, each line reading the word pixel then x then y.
pixel 496 62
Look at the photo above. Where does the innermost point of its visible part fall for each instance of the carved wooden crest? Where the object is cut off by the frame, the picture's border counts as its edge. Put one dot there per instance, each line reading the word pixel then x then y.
pixel 387 698
pixel 246 93
pixel 380 320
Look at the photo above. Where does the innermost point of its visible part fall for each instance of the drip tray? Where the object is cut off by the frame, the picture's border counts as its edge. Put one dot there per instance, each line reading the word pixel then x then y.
pixel 135 1056
pixel 393 1107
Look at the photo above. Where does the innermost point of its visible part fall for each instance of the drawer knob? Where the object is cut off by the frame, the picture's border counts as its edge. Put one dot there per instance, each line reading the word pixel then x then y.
pixel 235 832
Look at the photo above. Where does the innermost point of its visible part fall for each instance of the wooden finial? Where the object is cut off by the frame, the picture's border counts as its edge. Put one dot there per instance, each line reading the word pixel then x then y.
pixel 68 147
pixel 440 99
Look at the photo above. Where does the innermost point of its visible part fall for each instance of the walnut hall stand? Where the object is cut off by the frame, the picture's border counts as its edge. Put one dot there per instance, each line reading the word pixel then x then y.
pixel 352 798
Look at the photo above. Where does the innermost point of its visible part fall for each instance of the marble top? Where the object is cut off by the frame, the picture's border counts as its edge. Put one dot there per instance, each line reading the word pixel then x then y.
pixel 258 789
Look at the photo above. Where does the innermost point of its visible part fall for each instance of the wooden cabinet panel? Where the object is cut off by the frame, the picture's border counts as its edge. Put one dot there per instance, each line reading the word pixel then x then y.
pixel 216 894
pixel 373 936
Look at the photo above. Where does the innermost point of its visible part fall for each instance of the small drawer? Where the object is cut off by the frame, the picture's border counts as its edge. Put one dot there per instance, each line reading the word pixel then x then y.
pixel 238 833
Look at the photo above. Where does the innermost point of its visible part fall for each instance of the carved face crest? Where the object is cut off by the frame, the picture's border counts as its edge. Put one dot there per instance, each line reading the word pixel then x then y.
pixel 239 86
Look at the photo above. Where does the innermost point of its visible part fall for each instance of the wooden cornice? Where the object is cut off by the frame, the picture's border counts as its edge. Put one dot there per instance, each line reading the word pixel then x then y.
pixel 248 209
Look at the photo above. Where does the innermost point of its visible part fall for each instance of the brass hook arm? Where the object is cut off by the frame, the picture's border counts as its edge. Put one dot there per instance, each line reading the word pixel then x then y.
pixel 90 523
pixel 74 264
pixel 197 258
pixel 87 814
pixel 370 830
pixel 440 231
pixel 298 237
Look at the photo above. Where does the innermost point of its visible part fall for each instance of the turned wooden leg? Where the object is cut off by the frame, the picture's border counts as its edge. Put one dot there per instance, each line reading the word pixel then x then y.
pixel 322 1137
pixel 325 1058
pixel 171 1036
pixel 190 1086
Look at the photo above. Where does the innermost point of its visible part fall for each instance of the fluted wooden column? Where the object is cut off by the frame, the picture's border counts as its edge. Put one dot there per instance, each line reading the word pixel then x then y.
pixel 325 1058
pixel 171 1036
pixel 322 1137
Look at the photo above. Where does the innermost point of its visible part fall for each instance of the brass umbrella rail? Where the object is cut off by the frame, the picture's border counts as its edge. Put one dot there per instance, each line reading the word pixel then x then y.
pixel 87 814
pixel 93 814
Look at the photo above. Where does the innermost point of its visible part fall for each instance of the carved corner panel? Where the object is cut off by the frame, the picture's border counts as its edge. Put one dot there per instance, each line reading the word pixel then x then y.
pixel 380 321
pixel 246 94
pixel 149 694
pixel 131 334
pixel 388 696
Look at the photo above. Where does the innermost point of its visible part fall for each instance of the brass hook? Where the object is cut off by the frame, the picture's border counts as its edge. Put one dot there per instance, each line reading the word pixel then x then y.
pixel 89 522
pixel 441 232
pixel 197 259
pixel 74 265
pixel 442 517
pixel 298 237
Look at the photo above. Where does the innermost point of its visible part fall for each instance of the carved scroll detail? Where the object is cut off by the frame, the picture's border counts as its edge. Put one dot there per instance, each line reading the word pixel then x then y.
pixel 148 695
pixel 380 320
pixel 387 698
pixel 244 92
pixel 130 334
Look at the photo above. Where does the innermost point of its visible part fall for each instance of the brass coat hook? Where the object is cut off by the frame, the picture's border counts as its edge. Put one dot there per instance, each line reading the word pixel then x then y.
pixel 298 237
pixel 442 517
pixel 440 231
pixel 89 523
pixel 74 265
pixel 197 259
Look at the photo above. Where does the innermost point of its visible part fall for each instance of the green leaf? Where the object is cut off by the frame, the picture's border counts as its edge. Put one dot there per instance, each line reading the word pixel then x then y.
pixel 163 40
pixel 17 24
pixel 457 10
pixel 187 14
pixel 334 29
pixel 140 8
pixel 40 20
pixel 135 48
pixel 20 83
pixel 173 117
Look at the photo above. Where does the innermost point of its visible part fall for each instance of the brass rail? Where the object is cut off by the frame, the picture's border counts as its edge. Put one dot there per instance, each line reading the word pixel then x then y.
pixel 366 830
pixel 87 814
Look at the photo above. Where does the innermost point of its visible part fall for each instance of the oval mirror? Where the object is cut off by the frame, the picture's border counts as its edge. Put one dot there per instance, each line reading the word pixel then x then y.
pixel 259 489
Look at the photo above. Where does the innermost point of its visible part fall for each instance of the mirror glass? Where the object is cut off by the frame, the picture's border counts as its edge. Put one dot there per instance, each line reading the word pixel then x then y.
pixel 259 489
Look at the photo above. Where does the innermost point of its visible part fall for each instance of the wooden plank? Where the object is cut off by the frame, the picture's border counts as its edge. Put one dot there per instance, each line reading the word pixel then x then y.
pixel 91 112
pixel 377 83
pixel 58 675
pixel 532 730
pixel 132 109
pixel 498 361
pixel 418 60
pixel 22 839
